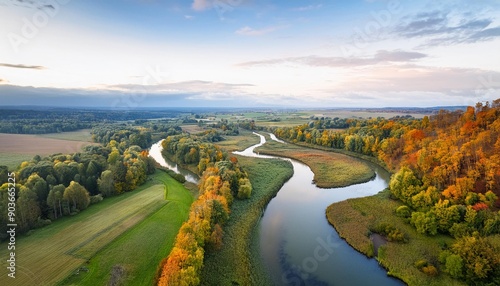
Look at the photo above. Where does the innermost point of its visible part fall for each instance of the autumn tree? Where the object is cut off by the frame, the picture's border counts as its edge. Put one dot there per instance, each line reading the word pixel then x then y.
pixel 77 196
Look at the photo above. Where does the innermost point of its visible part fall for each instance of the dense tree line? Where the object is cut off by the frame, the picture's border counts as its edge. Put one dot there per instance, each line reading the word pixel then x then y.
pixel 447 175
pixel 190 149
pixel 63 120
pixel 330 123
pixel 141 135
pixel 222 180
pixel 41 126
pixel 60 185
pixel 228 128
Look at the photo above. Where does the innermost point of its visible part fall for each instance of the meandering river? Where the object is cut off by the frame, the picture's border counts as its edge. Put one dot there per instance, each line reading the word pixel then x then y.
pixel 155 153
pixel 298 246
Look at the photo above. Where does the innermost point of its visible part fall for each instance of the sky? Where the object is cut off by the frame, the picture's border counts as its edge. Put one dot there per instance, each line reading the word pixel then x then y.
pixel 249 53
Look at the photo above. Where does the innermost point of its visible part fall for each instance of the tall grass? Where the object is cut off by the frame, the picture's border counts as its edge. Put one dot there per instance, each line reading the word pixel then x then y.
pixel 353 220
pixel 238 262
pixel 330 169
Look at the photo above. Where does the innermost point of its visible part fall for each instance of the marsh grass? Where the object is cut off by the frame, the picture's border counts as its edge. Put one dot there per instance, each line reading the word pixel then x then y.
pixel 240 142
pixel 353 220
pixel 239 262
pixel 330 169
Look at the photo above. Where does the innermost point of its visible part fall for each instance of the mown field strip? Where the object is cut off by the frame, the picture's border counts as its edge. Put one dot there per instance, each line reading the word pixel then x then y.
pixel 47 259
pixel 139 250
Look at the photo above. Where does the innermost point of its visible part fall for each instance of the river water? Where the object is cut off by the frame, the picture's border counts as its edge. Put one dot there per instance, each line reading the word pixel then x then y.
pixel 155 153
pixel 298 246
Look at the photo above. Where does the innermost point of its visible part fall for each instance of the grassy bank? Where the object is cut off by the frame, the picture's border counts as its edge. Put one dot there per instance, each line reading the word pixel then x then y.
pixel 345 152
pixel 354 218
pixel 240 142
pixel 330 169
pixel 238 262
pixel 134 257
pixel 55 251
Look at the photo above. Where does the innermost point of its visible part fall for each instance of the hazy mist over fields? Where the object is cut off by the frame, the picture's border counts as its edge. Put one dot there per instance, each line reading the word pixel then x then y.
pixel 249 53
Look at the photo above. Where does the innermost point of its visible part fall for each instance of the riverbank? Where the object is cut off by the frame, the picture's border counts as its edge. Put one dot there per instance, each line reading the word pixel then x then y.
pixel 239 261
pixel 331 170
pixel 353 220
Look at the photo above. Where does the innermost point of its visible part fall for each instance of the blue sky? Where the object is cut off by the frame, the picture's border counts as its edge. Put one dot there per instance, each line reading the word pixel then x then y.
pixel 140 53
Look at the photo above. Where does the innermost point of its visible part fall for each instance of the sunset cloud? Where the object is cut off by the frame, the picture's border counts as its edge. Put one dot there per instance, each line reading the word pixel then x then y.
pixel 19 66
pixel 201 5
pixel 380 57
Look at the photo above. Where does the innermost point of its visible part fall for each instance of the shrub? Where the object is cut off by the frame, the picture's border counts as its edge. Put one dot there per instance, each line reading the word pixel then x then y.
pixel 95 199
pixel 403 211
pixel 430 270
pixel 419 264
pixel 392 233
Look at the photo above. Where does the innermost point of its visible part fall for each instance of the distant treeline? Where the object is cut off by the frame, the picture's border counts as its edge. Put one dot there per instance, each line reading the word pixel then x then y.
pixel 55 121
pixel 65 184
pixel 447 174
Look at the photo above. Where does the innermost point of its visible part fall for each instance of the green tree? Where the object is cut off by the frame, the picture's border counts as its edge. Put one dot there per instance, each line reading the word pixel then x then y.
pixel 106 184
pixel 425 223
pixel 37 185
pixel 481 260
pixel 454 266
pixel 27 209
pixel 77 195
pixel 55 199
pixel 404 185
pixel 244 189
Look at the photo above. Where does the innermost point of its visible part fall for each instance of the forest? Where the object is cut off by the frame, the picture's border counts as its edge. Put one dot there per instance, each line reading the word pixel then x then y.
pixel 64 184
pixel 446 172
pixel 42 121
pixel 445 167
pixel 222 180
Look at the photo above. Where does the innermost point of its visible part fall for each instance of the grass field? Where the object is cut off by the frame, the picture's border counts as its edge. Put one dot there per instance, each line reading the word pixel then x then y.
pixel 240 142
pixel 52 253
pixel 330 169
pixel 193 128
pixel 79 135
pixel 13 160
pixel 16 148
pixel 353 218
pixel 139 250
pixel 294 118
pixel 238 262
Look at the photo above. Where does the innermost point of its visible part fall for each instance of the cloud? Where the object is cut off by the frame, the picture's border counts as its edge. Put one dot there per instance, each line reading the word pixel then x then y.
pixel 2 80
pixel 20 66
pixel 201 5
pixel 440 28
pixel 307 8
pixel 380 57
pixel 33 4
pixel 194 86
pixel 248 31
pixel 417 78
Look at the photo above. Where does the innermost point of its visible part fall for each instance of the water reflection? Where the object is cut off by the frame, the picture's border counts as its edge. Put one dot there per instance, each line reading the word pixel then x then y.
pixel 297 244
pixel 155 153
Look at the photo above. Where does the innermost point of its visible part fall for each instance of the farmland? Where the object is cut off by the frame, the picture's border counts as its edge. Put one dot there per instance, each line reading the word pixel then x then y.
pixel 52 253
pixel 154 235
pixel 16 148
